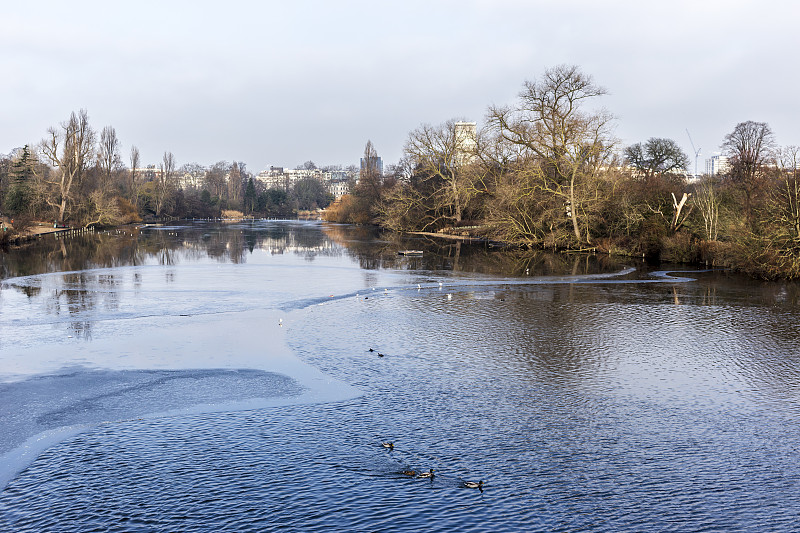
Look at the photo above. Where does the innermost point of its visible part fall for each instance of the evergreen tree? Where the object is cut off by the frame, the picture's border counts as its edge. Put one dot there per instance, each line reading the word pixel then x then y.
pixel 250 197
pixel 22 169
pixel 19 196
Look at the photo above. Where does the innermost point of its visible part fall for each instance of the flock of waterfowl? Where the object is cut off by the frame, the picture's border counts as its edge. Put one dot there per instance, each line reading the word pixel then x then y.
pixel 430 474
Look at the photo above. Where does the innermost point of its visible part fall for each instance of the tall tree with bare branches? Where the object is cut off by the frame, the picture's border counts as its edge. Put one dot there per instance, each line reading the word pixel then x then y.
pixel 707 200
pixel 133 184
pixel 786 198
pixel 367 192
pixel 440 158
pixel 655 157
pixel 70 149
pixel 108 156
pixel 164 182
pixel 749 146
pixel 559 145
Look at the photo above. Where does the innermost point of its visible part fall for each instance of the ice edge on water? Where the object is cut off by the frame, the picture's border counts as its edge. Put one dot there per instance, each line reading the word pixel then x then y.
pixel 312 386
pixel 16 460
pixel 661 276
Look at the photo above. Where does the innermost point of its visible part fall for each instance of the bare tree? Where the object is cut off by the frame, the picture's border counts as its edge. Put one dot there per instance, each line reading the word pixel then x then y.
pixel 133 185
pixel 440 157
pixel 193 175
pixel 70 149
pixel 405 208
pixel 749 146
pixel 235 184
pixel 705 198
pixel 560 147
pixel 786 200
pixel 401 171
pixel 368 188
pixel 108 156
pixel 164 181
pixel 656 157
pixel 215 179
pixel 104 209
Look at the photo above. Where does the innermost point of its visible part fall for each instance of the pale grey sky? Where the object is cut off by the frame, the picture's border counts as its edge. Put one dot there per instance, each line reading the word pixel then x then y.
pixel 278 83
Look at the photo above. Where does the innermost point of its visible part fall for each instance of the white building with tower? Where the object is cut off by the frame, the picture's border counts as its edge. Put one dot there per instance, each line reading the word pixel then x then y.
pixel 466 137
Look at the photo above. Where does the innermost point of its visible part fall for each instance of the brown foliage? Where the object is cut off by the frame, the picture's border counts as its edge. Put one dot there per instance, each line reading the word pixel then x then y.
pixel 348 209
pixel 128 214
pixel 680 248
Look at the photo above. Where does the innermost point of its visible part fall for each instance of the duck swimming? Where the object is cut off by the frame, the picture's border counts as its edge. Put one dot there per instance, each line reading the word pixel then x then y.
pixel 429 474
pixel 389 445
pixel 474 485
pixel 410 473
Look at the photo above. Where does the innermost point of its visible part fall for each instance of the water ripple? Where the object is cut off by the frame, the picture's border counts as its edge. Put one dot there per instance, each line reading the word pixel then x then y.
pixel 621 402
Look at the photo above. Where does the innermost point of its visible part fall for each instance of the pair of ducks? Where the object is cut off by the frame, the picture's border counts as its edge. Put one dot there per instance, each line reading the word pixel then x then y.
pixel 410 473
pixel 430 473
pixel 414 473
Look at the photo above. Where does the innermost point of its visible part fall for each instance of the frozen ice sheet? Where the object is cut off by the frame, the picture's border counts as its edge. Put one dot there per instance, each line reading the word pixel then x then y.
pixel 86 397
pixel 153 367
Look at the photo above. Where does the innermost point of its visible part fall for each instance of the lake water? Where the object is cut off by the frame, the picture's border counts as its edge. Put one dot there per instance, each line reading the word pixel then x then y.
pixel 206 377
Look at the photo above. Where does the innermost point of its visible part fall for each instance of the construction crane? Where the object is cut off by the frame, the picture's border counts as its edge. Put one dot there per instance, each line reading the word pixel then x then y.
pixel 696 152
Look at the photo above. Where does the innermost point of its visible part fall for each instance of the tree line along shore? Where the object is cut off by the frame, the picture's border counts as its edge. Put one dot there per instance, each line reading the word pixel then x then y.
pixel 544 172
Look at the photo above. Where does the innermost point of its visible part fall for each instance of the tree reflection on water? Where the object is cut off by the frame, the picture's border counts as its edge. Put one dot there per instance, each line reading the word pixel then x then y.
pixel 375 250
pixel 236 243
pixel 233 243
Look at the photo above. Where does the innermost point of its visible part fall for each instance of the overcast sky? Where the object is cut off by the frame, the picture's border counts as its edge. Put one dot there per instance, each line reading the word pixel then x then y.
pixel 279 83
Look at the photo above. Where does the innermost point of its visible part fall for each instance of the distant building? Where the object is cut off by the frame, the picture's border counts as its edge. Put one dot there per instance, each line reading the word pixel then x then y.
pixel 147 173
pixel 286 178
pixel 466 134
pixel 336 175
pixel 338 188
pixel 378 162
pixel 272 178
pixel 718 164
pixel 336 180
pixel 191 180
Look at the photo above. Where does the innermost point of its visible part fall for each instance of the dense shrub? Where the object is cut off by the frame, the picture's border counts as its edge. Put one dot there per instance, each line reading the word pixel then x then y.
pixel 127 212
pixel 348 209
pixel 680 248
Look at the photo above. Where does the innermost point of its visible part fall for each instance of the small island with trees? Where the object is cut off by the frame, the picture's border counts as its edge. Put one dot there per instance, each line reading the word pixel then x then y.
pixel 545 172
